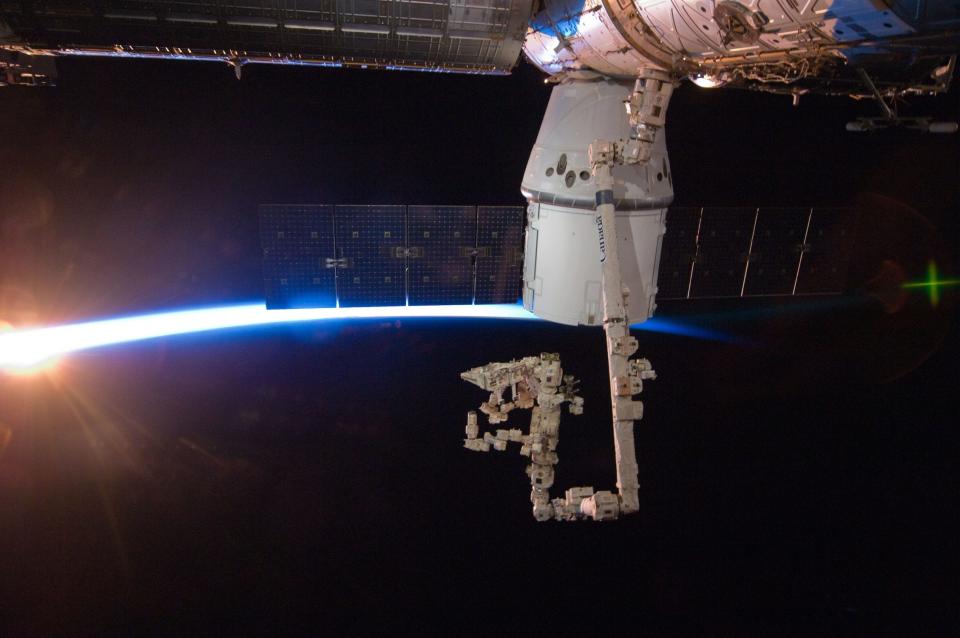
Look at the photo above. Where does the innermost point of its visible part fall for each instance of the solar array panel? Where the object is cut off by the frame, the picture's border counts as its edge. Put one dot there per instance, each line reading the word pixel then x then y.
pixel 499 253
pixel 441 242
pixel 723 246
pixel 826 254
pixel 777 243
pixel 321 256
pixel 295 242
pixel 744 252
pixel 371 270
pixel 678 252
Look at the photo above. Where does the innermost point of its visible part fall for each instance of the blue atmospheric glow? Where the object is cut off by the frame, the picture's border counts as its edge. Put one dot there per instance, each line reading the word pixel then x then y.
pixel 26 348
pixel 669 327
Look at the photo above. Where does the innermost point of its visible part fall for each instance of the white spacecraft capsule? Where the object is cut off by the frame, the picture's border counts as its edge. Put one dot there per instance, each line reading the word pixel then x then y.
pixel 562 267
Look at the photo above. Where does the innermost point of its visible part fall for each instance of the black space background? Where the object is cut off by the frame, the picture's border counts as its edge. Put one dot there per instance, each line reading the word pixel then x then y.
pixel 310 480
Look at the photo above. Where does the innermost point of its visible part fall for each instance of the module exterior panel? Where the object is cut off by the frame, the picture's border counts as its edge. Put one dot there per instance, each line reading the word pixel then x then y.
pixel 499 254
pixel 775 253
pixel 296 240
pixel 677 253
pixel 371 246
pixel 441 244
pixel 826 255
pixel 723 249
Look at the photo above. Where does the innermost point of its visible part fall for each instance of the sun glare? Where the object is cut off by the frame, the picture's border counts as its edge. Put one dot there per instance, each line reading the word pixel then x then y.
pixel 23 359
pixel 46 366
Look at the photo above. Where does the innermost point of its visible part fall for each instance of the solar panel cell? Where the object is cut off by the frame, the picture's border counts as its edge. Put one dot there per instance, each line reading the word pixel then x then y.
pixel 826 255
pixel 775 253
pixel 499 254
pixel 723 249
pixel 295 241
pixel 441 246
pixel 677 253
pixel 371 242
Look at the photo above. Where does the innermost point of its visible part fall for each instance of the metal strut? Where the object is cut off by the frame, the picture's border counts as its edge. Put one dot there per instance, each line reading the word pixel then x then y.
pixel 889 111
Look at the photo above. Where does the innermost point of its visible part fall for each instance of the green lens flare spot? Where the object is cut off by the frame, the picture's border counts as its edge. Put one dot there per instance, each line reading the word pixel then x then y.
pixel 932 283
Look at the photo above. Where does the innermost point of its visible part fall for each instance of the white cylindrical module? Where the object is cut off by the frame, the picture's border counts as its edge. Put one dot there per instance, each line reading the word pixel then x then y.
pixel 569 35
pixel 705 38
pixel 562 274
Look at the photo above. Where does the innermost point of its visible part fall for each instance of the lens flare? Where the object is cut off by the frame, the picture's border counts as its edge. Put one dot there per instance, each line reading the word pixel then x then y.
pixel 933 284
pixel 26 350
